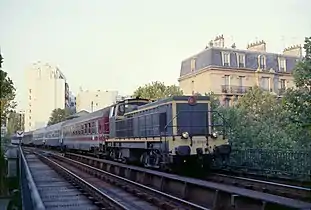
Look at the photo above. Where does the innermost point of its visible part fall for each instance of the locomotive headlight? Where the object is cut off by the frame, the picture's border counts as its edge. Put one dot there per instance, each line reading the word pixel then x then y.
pixel 214 134
pixel 185 135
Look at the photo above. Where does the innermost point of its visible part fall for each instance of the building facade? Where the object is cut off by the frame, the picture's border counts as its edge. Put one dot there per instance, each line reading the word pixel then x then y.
pixel 72 102
pixel 47 90
pixel 230 72
pixel 94 100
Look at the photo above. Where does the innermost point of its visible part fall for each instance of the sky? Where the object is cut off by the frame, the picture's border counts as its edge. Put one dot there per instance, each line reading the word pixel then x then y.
pixel 122 44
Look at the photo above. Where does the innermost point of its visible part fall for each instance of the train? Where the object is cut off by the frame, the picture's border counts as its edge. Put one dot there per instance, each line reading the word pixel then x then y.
pixel 17 140
pixel 165 134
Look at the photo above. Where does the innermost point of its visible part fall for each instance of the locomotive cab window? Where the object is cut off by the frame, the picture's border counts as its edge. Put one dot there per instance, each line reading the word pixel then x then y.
pixel 111 113
pixel 121 109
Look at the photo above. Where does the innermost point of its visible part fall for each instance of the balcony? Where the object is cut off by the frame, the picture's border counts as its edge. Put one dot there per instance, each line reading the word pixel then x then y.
pixel 230 89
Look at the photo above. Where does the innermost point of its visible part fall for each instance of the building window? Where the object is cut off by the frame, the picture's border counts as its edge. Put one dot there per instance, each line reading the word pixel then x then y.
pixel 96 104
pixel 29 117
pixel 227 80
pixel 30 91
pixel 241 88
pixel 282 64
pixel 265 83
pixel 29 124
pixel 29 110
pixel 29 97
pixel 241 60
pixel 192 64
pixel 225 58
pixel 262 62
pixel 96 95
pixel 282 87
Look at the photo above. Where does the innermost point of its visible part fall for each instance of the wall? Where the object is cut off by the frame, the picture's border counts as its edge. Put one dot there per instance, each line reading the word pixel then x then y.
pixel 95 100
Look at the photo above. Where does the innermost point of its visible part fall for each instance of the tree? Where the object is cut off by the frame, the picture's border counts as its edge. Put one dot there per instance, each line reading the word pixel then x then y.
pixel 298 101
pixel 1 60
pixel 59 115
pixel 7 94
pixel 258 120
pixel 15 122
pixel 157 90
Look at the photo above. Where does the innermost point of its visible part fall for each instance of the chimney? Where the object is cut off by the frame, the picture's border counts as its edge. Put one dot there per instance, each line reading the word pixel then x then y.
pixel 295 50
pixel 259 46
pixel 219 41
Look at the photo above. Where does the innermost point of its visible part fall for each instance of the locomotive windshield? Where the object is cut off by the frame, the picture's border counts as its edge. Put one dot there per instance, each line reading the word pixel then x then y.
pixel 129 107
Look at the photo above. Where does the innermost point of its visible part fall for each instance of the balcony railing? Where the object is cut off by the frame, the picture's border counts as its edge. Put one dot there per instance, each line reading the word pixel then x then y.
pixel 235 89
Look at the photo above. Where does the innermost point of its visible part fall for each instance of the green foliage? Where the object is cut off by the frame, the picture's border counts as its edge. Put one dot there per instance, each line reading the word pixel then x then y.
pixel 59 115
pixel 214 100
pixel 298 101
pixel 2 171
pixel 1 60
pixel 7 94
pixel 259 120
pixel 157 90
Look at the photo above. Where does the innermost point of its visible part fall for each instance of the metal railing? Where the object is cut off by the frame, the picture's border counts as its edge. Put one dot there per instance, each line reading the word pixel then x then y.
pixel 30 196
pixel 235 89
pixel 293 164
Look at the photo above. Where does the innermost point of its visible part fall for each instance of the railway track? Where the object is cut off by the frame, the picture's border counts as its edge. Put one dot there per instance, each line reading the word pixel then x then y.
pixel 208 194
pixel 227 193
pixel 114 191
pixel 51 190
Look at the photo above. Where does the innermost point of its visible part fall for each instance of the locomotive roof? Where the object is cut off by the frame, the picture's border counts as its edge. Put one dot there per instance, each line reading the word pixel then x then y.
pixel 173 98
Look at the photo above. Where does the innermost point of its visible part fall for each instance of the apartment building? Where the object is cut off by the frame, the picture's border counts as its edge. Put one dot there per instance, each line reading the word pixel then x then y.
pixel 94 100
pixel 47 90
pixel 230 72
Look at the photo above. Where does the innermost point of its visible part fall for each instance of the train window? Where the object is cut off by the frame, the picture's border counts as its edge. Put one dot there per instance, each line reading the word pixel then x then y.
pixel 121 109
pixel 111 112
pixel 162 122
